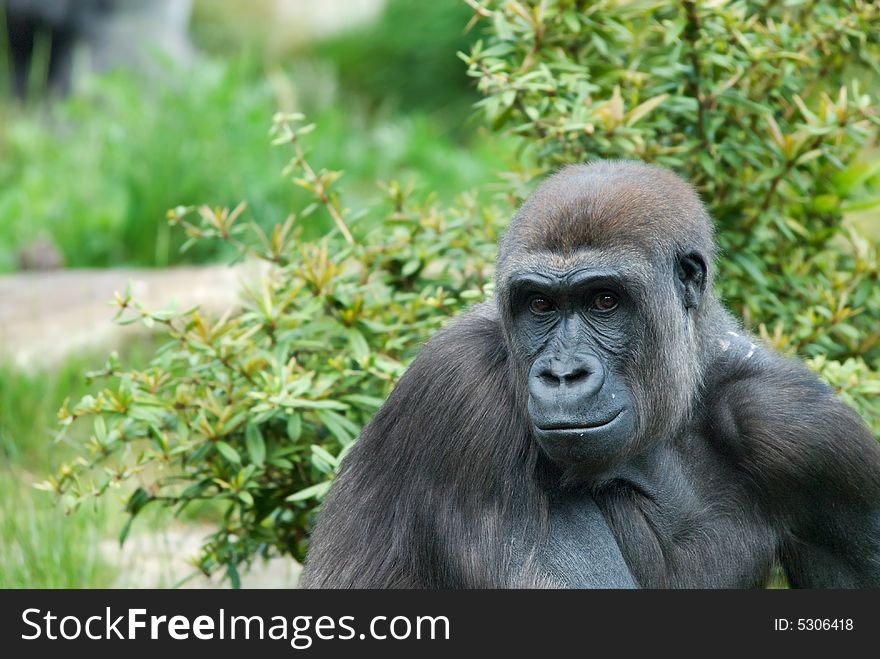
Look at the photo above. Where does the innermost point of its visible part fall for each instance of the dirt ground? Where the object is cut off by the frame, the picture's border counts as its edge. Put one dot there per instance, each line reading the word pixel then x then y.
pixel 161 560
pixel 46 316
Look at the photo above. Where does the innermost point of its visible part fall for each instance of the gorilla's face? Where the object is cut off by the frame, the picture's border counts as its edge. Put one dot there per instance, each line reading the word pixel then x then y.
pixel 575 328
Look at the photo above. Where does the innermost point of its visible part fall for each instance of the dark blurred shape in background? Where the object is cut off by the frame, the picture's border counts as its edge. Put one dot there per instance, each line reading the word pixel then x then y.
pixel 47 30
pixel 44 37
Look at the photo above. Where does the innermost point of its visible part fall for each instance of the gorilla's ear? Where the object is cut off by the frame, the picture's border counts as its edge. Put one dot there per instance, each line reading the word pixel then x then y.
pixel 691 271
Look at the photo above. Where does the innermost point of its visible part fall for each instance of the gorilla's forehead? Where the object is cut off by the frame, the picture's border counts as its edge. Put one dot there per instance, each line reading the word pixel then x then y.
pixel 628 263
pixel 608 204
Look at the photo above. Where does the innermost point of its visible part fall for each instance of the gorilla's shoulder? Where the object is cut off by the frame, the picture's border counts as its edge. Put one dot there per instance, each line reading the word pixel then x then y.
pixel 473 340
pixel 457 394
pixel 463 366
pixel 780 423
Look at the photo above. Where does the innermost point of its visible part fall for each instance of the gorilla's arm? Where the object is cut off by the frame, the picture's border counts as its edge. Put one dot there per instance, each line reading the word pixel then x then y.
pixel 817 461
pixel 441 489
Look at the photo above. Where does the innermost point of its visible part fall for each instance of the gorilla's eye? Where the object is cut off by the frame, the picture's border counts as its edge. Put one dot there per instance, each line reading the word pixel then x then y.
pixel 604 301
pixel 541 305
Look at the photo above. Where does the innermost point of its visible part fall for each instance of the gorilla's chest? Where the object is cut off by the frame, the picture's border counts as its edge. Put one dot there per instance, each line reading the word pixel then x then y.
pixel 689 525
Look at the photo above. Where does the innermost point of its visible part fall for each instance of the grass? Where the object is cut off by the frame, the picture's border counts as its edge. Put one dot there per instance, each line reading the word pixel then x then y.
pixel 28 405
pixel 40 545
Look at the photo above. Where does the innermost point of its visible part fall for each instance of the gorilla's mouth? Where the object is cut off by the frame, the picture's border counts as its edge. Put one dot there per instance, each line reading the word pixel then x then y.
pixel 586 445
pixel 568 428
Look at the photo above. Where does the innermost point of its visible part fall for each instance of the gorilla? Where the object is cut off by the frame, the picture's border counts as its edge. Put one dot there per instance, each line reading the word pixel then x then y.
pixel 604 422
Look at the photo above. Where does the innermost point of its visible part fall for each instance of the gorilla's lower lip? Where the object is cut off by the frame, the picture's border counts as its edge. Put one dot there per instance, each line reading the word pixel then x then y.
pixel 572 429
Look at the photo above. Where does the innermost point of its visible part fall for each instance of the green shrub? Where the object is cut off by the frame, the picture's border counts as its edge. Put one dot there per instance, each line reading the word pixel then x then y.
pixel 255 409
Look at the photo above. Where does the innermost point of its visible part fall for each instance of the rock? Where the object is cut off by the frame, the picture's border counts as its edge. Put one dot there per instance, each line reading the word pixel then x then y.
pixel 41 254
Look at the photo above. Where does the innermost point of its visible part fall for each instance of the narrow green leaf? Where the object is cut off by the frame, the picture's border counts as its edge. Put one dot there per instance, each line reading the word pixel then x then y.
pixel 643 109
pixel 340 427
pixel 361 400
pixel 294 427
pixel 410 267
pixel 359 346
pixel 234 579
pixel 228 452
pixel 313 492
pixel 256 445
pixel 138 499
pixel 123 534
pixel 318 404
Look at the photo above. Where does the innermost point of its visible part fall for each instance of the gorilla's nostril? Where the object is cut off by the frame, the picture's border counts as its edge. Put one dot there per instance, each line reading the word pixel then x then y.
pixel 555 378
pixel 576 375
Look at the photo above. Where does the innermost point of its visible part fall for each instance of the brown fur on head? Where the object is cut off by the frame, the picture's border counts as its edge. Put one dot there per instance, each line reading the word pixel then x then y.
pixel 611 204
pixel 639 220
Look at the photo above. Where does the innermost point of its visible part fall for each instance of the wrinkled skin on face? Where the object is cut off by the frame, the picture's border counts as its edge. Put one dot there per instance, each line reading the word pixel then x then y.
pixel 575 327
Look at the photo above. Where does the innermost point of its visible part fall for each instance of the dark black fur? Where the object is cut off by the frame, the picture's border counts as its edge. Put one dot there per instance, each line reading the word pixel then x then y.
pixel 709 456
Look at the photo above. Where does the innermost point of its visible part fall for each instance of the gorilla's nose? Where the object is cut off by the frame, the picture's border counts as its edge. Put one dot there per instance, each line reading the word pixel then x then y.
pixel 566 374
pixel 560 382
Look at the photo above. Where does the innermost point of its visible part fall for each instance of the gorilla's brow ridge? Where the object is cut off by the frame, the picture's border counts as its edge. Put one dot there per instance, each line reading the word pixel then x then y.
pixel 553 279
